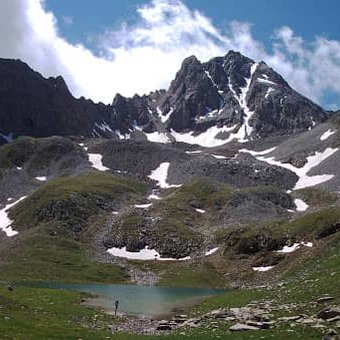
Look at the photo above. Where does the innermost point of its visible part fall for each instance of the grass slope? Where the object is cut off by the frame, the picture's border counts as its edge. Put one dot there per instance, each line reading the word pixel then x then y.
pixel 72 200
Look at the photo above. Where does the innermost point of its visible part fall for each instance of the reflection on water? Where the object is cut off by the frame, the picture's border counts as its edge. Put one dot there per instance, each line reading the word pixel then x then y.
pixel 138 300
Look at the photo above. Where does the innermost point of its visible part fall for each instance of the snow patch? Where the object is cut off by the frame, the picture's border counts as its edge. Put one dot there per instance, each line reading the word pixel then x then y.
pixel 201 211
pixel 213 82
pixel 270 89
pixel 124 136
pixel 96 161
pixel 219 156
pixel 294 247
pixel 154 196
pixel 265 81
pixel 312 161
pixel 206 139
pixel 160 175
pixel 5 222
pixel 162 117
pixel 245 130
pixel 258 153
pixel 193 152
pixel 211 251
pixel 143 206
pixel 41 178
pixel 327 134
pixel 263 269
pixel 144 254
pixel 157 137
pixel 104 127
pixel 300 205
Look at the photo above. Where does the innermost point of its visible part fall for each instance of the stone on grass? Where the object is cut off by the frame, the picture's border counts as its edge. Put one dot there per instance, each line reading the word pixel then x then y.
pixel 239 327
pixel 289 318
pixel 324 299
pixel 329 312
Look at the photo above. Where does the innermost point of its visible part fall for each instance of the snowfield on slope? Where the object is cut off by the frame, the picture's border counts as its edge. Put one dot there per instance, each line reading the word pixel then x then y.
pixel 300 205
pixel 160 175
pixel 96 161
pixel 5 222
pixel 211 251
pixel 245 130
pixel 206 139
pixel 304 180
pixel 327 134
pixel 157 137
pixel 294 247
pixel 263 268
pixel 145 254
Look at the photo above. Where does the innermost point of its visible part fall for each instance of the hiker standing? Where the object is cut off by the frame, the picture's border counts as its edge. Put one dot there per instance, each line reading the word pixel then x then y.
pixel 116 307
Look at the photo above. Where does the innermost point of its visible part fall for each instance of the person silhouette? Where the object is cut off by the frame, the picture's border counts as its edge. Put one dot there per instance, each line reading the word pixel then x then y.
pixel 116 307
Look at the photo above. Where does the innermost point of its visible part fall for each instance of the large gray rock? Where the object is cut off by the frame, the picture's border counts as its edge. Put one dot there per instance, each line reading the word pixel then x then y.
pixel 329 312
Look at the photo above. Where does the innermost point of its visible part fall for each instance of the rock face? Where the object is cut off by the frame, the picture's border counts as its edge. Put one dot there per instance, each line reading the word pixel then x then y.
pixel 232 91
pixel 235 91
pixel 35 106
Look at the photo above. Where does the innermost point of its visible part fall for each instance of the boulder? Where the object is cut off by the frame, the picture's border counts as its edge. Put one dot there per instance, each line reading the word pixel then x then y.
pixel 329 312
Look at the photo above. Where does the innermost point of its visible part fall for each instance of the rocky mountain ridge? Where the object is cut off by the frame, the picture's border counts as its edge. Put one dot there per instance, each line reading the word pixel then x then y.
pixel 228 98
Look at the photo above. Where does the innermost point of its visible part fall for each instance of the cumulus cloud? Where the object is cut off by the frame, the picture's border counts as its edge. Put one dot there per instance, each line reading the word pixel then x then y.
pixel 145 56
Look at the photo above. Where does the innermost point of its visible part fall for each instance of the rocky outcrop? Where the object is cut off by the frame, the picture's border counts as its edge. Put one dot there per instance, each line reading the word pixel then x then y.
pixel 140 158
pixel 35 106
pixel 234 90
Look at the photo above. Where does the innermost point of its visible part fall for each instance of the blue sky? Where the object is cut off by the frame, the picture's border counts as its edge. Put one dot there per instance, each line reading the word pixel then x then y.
pixel 106 47
pixel 307 18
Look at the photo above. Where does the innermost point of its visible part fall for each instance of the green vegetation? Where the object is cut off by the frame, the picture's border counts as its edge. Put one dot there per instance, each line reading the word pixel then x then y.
pixel 197 274
pixel 201 194
pixel 193 274
pixel 72 200
pixel 269 194
pixel 316 197
pixel 37 154
pixel 56 258
pixel 253 239
pixel 57 220
pixel 33 313
pixel 18 152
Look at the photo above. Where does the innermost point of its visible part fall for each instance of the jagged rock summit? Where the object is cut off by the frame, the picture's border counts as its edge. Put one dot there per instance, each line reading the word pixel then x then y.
pixel 230 98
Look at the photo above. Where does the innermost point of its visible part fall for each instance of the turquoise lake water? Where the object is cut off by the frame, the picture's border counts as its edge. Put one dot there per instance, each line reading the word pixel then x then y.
pixel 139 300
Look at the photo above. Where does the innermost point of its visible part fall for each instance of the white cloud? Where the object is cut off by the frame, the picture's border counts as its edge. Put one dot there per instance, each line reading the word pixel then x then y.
pixel 145 56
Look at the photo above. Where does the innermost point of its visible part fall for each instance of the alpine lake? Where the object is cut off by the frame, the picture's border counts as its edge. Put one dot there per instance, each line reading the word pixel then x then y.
pixel 141 301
